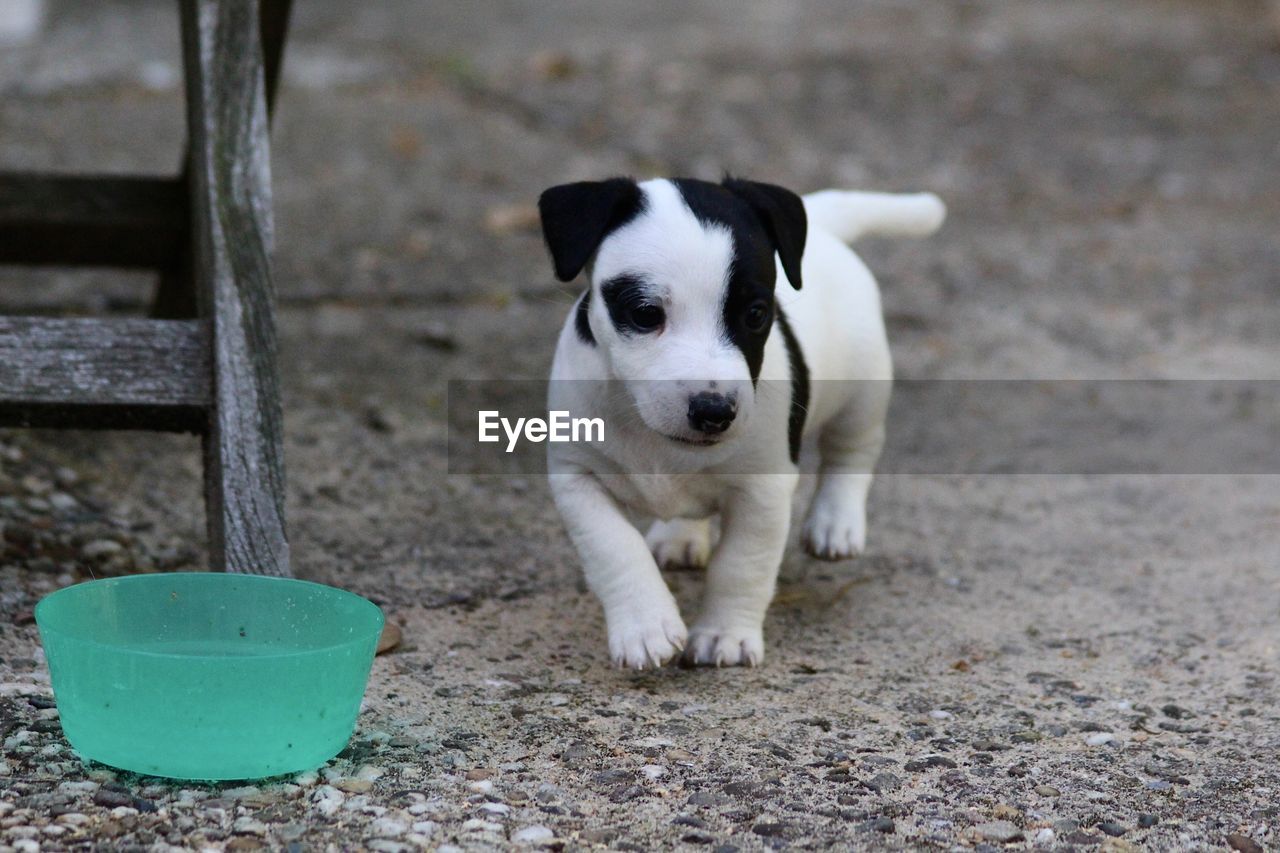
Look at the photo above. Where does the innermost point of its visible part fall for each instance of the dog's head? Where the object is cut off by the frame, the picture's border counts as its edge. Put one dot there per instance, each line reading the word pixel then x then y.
pixel 681 297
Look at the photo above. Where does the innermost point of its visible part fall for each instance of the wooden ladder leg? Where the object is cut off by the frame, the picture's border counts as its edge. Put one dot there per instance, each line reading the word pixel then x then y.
pixel 175 296
pixel 231 244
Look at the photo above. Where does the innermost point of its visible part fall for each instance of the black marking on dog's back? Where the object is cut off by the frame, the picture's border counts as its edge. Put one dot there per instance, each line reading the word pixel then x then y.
pixel 580 320
pixel 799 387
pixel 753 275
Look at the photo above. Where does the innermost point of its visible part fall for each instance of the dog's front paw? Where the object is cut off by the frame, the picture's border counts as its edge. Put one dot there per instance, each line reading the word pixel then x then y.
pixel 718 645
pixel 643 640
pixel 680 543
pixel 835 530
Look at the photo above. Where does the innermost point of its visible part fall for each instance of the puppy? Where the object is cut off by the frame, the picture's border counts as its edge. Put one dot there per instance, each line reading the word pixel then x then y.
pixel 710 365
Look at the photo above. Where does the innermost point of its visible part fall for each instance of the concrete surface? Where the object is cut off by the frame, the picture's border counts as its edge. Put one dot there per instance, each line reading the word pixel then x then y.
pixel 1018 660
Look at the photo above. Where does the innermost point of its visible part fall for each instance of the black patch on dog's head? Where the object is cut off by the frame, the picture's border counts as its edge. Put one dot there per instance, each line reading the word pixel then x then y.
pixel 581 321
pixel 622 295
pixel 577 217
pixel 782 213
pixel 762 219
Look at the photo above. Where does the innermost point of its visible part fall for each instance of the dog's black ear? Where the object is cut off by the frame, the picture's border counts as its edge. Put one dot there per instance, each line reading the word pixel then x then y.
pixel 577 217
pixel 782 213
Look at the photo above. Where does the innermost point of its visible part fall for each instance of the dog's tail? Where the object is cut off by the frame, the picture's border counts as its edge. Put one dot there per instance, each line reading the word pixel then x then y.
pixel 850 215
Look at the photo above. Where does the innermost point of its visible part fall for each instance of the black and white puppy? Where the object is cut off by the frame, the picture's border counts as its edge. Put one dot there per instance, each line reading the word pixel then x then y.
pixel 706 373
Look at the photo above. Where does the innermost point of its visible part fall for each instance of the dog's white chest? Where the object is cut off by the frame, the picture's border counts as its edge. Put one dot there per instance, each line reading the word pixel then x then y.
pixel 667 496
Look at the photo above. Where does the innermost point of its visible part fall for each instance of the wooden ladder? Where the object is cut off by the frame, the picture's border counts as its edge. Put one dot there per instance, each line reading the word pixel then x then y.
pixel 206 362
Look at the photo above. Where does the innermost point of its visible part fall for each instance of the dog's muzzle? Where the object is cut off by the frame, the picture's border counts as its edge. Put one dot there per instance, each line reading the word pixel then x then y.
pixel 711 413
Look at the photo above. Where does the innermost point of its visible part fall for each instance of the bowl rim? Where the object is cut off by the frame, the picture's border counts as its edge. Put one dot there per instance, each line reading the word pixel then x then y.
pixel 125 648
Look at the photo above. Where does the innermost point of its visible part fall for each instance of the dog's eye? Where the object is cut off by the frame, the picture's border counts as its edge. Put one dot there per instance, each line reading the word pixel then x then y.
pixel 646 318
pixel 757 316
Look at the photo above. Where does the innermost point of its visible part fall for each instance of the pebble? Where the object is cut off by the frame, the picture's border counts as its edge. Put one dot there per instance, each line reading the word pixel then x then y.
pixel 1146 821
pixel 475 824
pixel 248 826
pixel 929 761
pixel 1004 811
pixel 1243 843
pixel 495 808
pixel 1115 830
pixel 36 486
pixel 370 773
pixel 327 800
pixel 1045 836
pixel 682 757
pixel 1099 739
pixel 109 798
pixel 244 792
pixel 387 827
pixel 425 827
pixel 1047 791
pixel 1002 831
pixel 536 834
pixel 306 779
pixel 770 828
pixel 100 549
pixel 74 788
pixel 883 781
pixel 653 771
pixel 481 786
pixel 292 831
pixel 386 845
pixel 390 638
pixel 883 824
pixel 354 786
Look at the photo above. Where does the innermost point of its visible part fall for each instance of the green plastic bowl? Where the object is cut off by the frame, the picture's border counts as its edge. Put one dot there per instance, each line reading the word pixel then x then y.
pixel 208 676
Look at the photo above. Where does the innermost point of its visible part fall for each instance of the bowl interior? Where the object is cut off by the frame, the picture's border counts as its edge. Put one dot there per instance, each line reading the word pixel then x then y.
pixel 208 614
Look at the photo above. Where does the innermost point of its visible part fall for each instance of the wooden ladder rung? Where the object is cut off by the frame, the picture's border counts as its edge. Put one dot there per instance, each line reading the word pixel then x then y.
pixel 102 220
pixel 104 373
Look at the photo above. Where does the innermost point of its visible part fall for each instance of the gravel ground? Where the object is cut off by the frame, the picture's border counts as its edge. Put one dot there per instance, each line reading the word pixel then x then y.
pixel 1020 661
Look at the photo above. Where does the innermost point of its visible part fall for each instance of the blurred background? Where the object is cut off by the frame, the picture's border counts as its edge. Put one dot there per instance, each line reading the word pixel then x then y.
pixel 1110 167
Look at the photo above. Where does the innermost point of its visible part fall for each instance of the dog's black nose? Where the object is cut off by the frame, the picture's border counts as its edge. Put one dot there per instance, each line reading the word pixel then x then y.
pixel 710 412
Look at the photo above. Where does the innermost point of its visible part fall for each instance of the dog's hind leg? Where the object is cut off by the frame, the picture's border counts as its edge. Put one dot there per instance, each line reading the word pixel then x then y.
pixel 850 443
pixel 680 543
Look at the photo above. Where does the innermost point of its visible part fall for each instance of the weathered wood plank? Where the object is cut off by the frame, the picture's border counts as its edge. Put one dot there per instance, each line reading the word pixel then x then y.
pixel 175 296
pixel 231 242
pixel 91 220
pixel 98 374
